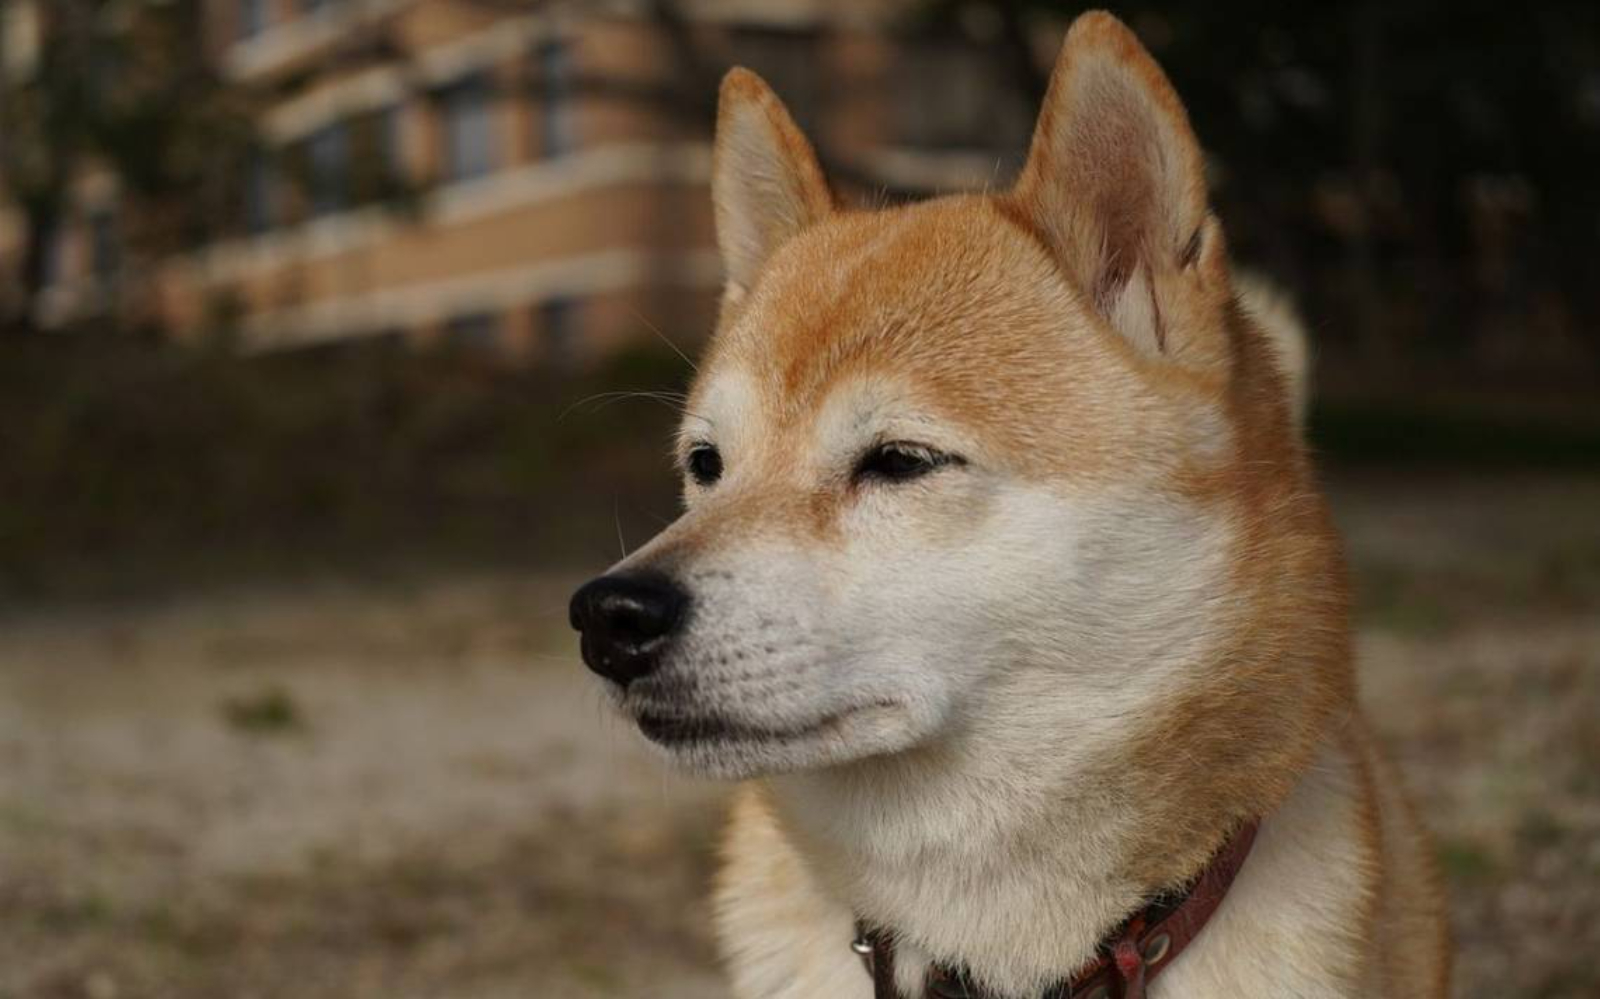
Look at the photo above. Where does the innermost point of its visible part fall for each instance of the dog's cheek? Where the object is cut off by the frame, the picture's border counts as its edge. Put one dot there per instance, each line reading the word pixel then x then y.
pixel 940 583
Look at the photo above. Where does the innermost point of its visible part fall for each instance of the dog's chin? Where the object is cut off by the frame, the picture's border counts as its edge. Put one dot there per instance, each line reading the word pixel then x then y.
pixel 729 748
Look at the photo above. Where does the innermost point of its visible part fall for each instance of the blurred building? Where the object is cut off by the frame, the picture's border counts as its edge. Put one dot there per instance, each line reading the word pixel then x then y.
pixel 528 177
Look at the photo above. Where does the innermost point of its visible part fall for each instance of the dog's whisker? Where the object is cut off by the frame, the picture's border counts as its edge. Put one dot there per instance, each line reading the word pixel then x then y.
pixel 616 514
pixel 602 400
pixel 652 327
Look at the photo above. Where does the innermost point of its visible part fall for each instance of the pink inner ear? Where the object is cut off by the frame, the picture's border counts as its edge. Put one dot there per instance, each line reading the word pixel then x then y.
pixel 1114 181
pixel 1112 154
pixel 1110 282
pixel 1191 249
pixel 766 182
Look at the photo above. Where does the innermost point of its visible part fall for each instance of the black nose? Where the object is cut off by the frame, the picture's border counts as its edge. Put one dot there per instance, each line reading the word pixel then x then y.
pixel 627 621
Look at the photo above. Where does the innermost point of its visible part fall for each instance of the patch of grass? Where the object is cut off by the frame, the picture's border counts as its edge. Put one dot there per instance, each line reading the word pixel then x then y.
pixel 182 934
pixel 1390 598
pixel 595 975
pixel 24 821
pixel 76 913
pixel 1572 573
pixel 1463 861
pixel 1568 982
pixel 269 712
pixel 1539 830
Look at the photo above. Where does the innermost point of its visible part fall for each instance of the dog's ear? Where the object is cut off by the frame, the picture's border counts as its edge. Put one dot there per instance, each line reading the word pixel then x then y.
pixel 1115 184
pixel 766 183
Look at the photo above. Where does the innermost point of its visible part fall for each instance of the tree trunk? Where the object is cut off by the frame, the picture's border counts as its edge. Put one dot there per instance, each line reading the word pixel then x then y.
pixel 1366 138
pixel 40 219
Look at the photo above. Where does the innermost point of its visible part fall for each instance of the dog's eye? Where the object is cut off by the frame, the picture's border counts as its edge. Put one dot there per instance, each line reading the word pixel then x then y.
pixel 705 464
pixel 900 462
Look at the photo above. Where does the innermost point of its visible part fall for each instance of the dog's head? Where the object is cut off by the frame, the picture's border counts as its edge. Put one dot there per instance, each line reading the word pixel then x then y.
pixel 982 458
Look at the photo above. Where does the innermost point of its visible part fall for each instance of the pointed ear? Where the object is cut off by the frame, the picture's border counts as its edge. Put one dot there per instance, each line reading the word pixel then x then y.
pixel 766 183
pixel 1115 183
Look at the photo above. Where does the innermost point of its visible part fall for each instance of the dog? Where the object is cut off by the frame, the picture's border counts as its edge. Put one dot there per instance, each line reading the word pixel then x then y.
pixel 1006 588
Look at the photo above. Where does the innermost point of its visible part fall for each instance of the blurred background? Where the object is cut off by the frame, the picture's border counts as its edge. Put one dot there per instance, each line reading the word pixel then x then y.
pixel 328 337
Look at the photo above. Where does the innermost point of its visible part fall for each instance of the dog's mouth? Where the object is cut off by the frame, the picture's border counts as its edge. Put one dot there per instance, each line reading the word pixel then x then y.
pixel 689 730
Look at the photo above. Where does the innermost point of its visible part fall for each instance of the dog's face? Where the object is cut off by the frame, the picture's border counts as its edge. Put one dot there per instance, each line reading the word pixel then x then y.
pixel 943 464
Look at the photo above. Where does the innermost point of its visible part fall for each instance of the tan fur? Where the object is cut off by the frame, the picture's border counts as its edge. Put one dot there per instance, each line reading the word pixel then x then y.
pixel 1021 695
pixel 1274 311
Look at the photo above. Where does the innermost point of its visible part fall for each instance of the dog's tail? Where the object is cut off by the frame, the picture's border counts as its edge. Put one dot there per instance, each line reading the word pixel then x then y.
pixel 1274 310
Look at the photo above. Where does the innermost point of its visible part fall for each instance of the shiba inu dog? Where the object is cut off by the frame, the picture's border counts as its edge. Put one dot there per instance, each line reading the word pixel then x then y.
pixel 1006 585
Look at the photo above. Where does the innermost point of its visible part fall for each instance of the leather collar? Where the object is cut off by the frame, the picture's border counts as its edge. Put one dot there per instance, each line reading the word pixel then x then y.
pixel 1128 958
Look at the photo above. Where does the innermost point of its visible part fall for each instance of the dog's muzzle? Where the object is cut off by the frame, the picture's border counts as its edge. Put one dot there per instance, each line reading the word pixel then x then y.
pixel 628 620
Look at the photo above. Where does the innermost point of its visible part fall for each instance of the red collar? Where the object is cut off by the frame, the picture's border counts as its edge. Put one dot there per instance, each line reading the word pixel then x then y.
pixel 1130 956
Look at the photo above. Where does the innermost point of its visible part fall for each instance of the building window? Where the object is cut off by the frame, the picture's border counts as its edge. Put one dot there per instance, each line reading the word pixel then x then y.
pixel 479 331
pixel 392 143
pixel 328 161
pixel 259 210
pixel 376 156
pixel 558 331
pixel 104 249
pixel 252 17
pixel 557 132
pixel 467 112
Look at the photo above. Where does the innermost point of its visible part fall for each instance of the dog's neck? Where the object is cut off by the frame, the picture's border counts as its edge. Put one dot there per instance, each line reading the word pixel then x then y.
pixel 1033 826
pixel 1016 880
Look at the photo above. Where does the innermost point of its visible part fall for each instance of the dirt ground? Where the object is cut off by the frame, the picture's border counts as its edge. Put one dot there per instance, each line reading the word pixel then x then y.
pixel 411 789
